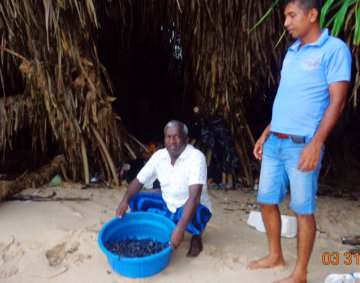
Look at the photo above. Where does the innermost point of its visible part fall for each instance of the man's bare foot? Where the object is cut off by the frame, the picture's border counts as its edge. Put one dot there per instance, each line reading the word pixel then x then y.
pixel 292 279
pixel 195 246
pixel 267 262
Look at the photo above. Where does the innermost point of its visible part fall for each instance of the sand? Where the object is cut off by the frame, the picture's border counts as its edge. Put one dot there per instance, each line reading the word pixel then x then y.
pixel 56 241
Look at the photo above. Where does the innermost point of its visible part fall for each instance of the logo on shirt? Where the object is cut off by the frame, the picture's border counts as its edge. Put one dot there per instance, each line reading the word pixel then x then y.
pixel 310 64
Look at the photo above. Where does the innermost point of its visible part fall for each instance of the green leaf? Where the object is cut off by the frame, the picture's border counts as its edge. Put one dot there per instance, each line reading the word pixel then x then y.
pixel 280 39
pixel 340 17
pixel 356 40
pixel 331 21
pixel 333 11
pixel 265 15
pixel 324 11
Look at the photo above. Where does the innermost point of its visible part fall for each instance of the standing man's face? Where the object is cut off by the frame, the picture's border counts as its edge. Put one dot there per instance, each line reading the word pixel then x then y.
pixel 299 22
pixel 175 140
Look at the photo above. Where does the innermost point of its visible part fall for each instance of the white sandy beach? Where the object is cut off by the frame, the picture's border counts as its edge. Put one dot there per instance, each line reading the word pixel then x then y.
pixel 56 241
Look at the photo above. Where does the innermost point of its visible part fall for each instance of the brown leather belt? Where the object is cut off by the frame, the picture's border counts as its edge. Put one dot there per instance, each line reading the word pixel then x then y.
pixel 282 136
pixel 295 139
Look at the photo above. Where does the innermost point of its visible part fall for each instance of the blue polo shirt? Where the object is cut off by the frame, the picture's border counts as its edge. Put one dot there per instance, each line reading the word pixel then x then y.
pixel 303 93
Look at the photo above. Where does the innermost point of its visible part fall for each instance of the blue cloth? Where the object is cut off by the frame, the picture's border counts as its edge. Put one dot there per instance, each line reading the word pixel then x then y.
pixel 154 203
pixel 279 170
pixel 303 93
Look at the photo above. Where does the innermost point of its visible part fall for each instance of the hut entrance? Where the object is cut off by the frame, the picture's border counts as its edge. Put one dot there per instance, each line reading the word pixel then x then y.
pixel 148 92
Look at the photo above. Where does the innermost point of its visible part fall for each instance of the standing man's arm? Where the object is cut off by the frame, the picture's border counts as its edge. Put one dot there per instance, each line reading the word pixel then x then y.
pixel 258 148
pixel 134 187
pixel 310 156
pixel 189 211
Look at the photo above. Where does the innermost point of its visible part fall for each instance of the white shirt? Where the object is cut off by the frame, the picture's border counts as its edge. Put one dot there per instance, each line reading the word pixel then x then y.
pixel 189 169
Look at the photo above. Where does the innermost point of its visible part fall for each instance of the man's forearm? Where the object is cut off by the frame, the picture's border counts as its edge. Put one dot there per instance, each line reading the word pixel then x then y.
pixel 327 123
pixel 311 154
pixel 133 189
pixel 189 211
pixel 190 207
pixel 266 132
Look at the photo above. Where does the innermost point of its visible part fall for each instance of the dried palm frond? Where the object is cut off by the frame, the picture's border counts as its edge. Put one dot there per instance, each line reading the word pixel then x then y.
pixel 225 69
pixel 55 53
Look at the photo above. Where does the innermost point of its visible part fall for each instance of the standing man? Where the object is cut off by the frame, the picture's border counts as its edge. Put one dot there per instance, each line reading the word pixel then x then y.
pixel 182 172
pixel 311 95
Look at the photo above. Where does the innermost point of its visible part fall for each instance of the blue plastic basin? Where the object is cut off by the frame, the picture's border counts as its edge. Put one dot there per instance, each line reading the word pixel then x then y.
pixel 142 225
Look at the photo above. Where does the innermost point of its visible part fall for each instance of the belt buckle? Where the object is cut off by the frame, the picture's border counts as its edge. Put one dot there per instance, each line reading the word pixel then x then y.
pixel 298 139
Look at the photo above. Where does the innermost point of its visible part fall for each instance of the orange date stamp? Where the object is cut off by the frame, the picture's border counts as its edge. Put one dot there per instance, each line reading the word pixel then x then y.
pixel 336 258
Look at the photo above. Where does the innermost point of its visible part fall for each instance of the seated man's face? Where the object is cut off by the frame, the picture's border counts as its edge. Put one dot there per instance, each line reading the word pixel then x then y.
pixel 175 140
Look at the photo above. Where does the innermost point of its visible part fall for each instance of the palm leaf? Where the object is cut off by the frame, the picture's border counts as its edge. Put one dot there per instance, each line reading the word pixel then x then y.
pixel 340 17
pixel 324 11
pixel 280 39
pixel 263 18
pixel 356 40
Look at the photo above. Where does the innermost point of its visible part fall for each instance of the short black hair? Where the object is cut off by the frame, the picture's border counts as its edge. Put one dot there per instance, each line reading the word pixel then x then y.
pixel 306 5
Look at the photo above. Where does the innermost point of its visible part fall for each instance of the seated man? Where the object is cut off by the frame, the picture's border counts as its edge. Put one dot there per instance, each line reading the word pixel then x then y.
pixel 182 173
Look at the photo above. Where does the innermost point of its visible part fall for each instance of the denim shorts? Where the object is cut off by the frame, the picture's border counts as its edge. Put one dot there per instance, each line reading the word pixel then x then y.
pixel 279 173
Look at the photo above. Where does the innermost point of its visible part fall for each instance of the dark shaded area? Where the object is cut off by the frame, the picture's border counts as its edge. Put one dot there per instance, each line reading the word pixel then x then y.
pixel 341 165
pixel 216 136
pixel 17 162
pixel 144 97
pixel 148 93
pixel 22 158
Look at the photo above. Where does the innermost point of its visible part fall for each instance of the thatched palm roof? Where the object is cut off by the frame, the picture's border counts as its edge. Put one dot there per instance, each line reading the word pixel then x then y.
pixel 51 44
pixel 54 84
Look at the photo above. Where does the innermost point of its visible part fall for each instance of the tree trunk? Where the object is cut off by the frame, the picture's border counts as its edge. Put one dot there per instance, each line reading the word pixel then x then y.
pixel 33 179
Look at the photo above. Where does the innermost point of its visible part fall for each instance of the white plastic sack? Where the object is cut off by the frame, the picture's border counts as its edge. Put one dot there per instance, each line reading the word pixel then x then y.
pixel 288 224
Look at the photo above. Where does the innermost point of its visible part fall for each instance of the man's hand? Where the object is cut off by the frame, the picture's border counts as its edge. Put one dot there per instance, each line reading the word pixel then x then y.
pixel 310 157
pixel 258 148
pixel 190 207
pixel 177 237
pixel 122 208
pixel 132 190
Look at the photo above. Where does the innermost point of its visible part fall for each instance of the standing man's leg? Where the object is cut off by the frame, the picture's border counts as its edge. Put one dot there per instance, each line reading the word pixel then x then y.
pixel 303 187
pixel 272 190
pixel 305 242
pixel 272 221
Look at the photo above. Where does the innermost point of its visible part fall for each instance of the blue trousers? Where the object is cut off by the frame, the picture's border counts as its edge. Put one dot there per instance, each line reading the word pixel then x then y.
pixel 154 203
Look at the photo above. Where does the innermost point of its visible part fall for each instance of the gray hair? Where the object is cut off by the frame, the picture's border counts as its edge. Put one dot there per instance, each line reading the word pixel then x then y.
pixel 174 123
